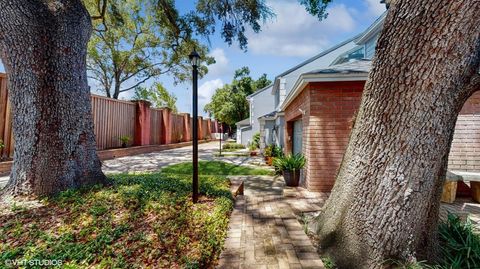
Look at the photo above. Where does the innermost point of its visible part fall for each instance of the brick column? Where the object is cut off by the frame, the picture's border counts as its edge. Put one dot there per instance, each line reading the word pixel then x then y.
pixel 209 128
pixel 200 127
pixel 167 125
pixel 187 134
pixel 142 123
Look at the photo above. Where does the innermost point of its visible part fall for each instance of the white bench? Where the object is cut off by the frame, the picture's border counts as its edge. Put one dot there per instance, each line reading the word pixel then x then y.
pixel 450 186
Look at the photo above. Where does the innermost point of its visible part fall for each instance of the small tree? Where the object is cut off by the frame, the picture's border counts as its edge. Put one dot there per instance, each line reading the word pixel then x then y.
pixel 137 41
pixel 158 96
pixel 229 103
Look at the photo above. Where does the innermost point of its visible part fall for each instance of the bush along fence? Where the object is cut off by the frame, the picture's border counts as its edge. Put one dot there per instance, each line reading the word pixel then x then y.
pixel 120 123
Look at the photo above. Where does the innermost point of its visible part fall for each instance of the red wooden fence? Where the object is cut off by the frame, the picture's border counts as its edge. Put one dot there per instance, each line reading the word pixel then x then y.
pixel 116 118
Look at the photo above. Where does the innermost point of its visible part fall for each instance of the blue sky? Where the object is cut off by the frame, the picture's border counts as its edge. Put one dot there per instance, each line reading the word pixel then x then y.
pixel 286 40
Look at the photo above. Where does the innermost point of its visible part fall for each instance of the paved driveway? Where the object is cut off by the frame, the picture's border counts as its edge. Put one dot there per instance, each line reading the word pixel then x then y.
pixel 156 160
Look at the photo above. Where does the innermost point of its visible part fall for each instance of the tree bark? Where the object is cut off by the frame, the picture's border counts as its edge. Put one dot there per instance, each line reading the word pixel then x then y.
pixel 43 46
pixel 386 197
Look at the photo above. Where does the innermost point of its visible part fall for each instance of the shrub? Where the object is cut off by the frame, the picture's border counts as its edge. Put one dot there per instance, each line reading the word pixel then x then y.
pixel 277 152
pixel 273 151
pixel 124 139
pixel 289 162
pixel 256 140
pixel 1 144
pixel 459 244
pixel 233 146
pixel 143 220
pixel 269 151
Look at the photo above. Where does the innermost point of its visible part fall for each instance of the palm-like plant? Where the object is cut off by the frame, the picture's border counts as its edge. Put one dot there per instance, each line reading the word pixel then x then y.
pixel 290 162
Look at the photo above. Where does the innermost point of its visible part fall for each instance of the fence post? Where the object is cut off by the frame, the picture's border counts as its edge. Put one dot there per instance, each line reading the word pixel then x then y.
pixel 167 125
pixel 215 126
pixel 209 128
pixel 200 127
pixel 187 135
pixel 142 123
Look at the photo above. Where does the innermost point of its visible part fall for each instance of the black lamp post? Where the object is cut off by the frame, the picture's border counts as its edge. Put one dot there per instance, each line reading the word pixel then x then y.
pixel 195 60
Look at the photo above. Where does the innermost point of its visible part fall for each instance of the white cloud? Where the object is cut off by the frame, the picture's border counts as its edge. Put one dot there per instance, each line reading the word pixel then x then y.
pixel 206 91
pixel 375 7
pixel 220 67
pixel 294 32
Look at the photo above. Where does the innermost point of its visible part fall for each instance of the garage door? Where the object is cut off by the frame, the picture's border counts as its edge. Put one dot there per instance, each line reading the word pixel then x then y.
pixel 297 136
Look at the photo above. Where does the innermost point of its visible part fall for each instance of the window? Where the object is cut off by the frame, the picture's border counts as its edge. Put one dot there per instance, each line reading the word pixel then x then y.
pixel 356 53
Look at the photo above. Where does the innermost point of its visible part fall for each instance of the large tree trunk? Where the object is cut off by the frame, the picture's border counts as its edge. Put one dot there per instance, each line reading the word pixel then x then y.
pixel 43 46
pixel 386 197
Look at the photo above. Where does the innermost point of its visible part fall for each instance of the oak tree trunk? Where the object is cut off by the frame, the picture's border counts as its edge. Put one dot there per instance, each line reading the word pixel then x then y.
pixel 43 47
pixel 386 198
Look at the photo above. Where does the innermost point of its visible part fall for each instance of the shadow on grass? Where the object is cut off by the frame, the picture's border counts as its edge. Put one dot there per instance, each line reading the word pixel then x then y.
pixel 142 220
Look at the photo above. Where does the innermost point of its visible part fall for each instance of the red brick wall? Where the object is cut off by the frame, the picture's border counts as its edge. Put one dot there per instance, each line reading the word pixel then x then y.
pixel 465 151
pixel 293 113
pixel 329 108
pixel 330 124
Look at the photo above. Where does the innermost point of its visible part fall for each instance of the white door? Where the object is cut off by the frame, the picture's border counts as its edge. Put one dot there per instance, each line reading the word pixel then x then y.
pixel 297 136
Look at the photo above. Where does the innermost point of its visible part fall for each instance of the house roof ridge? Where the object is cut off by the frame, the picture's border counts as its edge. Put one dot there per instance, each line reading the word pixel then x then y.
pixel 321 54
pixel 259 91
pixel 359 65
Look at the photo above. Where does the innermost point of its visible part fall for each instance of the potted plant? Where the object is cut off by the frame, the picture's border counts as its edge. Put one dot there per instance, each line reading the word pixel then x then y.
pixel 124 139
pixel 252 149
pixel 269 154
pixel 277 152
pixel 290 167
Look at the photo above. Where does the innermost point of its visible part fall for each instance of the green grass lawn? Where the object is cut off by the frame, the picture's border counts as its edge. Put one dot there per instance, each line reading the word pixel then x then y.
pixel 141 221
pixel 215 168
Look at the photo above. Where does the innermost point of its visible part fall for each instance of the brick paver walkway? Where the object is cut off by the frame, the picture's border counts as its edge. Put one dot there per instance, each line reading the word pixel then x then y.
pixel 264 231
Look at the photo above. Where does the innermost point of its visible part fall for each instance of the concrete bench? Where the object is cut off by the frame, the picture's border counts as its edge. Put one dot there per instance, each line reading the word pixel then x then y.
pixel 450 186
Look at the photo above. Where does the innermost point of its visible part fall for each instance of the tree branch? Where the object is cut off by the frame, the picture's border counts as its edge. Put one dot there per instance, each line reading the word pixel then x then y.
pixel 136 85
pixel 131 75
pixel 102 11
pixel 474 84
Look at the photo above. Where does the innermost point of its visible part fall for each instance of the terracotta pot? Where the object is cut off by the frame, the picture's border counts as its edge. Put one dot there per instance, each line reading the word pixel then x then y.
pixel 292 178
pixel 270 161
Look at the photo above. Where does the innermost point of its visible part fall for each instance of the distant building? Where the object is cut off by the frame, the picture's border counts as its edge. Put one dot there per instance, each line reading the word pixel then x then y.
pixel 261 102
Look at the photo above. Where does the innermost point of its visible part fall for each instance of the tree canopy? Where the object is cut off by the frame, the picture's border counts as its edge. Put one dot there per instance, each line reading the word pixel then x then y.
pixel 229 103
pixel 158 96
pixel 136 42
